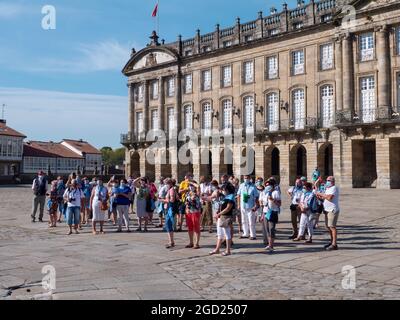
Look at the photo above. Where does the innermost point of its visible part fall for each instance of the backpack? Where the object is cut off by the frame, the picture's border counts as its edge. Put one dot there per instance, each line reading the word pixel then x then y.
pixel 313 204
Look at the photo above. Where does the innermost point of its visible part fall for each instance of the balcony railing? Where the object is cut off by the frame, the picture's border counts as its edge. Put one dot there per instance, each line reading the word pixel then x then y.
pixel 376 115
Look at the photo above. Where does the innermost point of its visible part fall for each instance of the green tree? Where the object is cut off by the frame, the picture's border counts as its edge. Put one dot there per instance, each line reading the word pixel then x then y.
pixel 113 157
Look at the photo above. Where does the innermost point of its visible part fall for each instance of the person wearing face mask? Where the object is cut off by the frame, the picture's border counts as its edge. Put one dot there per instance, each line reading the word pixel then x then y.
pixel 224 219
pixel 247 197
pixel 99 206
pixel 271 214
pixel 307 216
pixel 142 196
pixel 112 210
pixel 332 209
pixel 171 205
pixel 87 191
pixel 123 195
pixel 73 196
pixel 39 188
pixel 183 190
pixel 193 214
pixel 206 214
pixel 236 211
pixel 295 194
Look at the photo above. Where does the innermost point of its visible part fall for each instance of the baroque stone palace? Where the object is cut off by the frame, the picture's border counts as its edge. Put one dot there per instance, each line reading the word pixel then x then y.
pixel 317 85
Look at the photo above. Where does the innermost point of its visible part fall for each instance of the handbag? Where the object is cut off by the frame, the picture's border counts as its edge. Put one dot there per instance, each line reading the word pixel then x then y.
pixel 104 206
pixel 293 207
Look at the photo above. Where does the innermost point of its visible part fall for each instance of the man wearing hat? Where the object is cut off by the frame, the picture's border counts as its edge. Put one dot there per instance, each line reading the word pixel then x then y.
pixel 39 188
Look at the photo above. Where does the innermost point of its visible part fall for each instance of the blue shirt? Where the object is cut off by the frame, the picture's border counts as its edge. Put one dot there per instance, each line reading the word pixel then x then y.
pixel 253 195
pixel 120 200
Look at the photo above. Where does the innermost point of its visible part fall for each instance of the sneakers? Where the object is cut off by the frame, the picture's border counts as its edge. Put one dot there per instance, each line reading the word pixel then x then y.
pixel 268 248
pixel 327 245
pixel 332 248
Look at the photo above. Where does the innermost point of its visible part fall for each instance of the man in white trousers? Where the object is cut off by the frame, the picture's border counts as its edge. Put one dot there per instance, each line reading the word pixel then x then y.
pixel 247 199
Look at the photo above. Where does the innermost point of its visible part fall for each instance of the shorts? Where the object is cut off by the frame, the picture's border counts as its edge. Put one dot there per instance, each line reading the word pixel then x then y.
pixel 73 215
pixel 333 217
pixel 193 222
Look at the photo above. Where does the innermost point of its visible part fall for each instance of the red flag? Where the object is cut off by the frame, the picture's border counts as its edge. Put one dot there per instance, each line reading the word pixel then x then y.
pixel 155 11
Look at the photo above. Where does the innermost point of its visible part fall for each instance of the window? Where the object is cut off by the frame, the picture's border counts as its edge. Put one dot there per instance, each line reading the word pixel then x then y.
pixel 326 17
pixel 140 93
pixel 206 49
pixel 326 52
pixel 273 32
pixel 171 122
pixel 188 83
pixel 154 90
pixel 298 109
pixel 206 80
pixel 398 92
pixel 249 114
pixel 272 67
pixel 297 62
pixel 227 44
pixel 273 111
pixel 367 99
pixel 139 123
pixel 327 106
pixel 154 120
pixel 297 25
pixel 188 53
pixel 227 116
pixel 248 38
pixel 188 114
pixel 226 76
pixel 207 118
pixel 398 40
pixel 171 87
pixel 248 72
pixel 367 46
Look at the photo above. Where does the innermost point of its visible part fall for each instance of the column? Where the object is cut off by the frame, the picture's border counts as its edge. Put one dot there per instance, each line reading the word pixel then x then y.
pixel 284 150
pixel 161 103
pixel 131 108
pixel 339 73
pixel 259 160
pixel 383 57
pixel 383 163
pixel 348 73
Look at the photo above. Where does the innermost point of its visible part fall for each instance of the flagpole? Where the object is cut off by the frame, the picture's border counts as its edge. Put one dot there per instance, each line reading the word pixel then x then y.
pixel 158 17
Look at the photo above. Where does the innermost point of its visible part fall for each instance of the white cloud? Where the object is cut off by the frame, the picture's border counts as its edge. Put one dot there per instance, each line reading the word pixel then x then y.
pixel 107 55
pixel 52 115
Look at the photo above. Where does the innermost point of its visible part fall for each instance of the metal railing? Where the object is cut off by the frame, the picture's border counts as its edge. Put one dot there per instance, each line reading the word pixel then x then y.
pixel 367 116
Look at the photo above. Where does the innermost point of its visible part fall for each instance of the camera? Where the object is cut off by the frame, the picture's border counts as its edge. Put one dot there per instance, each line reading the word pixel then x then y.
pixel 72 199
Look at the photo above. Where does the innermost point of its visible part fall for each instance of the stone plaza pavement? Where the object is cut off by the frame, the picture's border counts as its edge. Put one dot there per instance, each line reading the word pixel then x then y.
pixel 137 265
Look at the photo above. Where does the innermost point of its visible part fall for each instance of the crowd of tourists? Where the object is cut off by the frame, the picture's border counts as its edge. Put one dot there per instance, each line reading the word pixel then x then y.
pixel 199 206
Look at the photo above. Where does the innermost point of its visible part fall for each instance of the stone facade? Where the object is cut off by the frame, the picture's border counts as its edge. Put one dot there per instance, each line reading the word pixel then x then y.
pixel 318 85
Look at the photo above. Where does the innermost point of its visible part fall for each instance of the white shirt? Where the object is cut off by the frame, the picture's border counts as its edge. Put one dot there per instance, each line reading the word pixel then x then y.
pixel 332 205
pixel 162 193
pixel 276 196
pixel 305 199
pixel 296 194
pixel 205 188
pixel 76 194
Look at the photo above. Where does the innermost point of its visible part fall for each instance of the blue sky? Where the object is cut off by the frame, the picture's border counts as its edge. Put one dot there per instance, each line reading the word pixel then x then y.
pixel 67 82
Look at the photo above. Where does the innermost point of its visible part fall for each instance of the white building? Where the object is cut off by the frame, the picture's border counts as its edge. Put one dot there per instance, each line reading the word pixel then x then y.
pixel 92 156
pixel 51 156
pixel 11 147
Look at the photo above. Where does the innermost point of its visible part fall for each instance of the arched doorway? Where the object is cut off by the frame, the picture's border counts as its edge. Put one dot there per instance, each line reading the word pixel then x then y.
pixel 206 163
pixel 150 166
pixel 135 164
pixel 325 160
pixel 248 162
pixel 394 146
pixel 297 163
pixel 226 162
pixel 272 163
pixel 364 163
